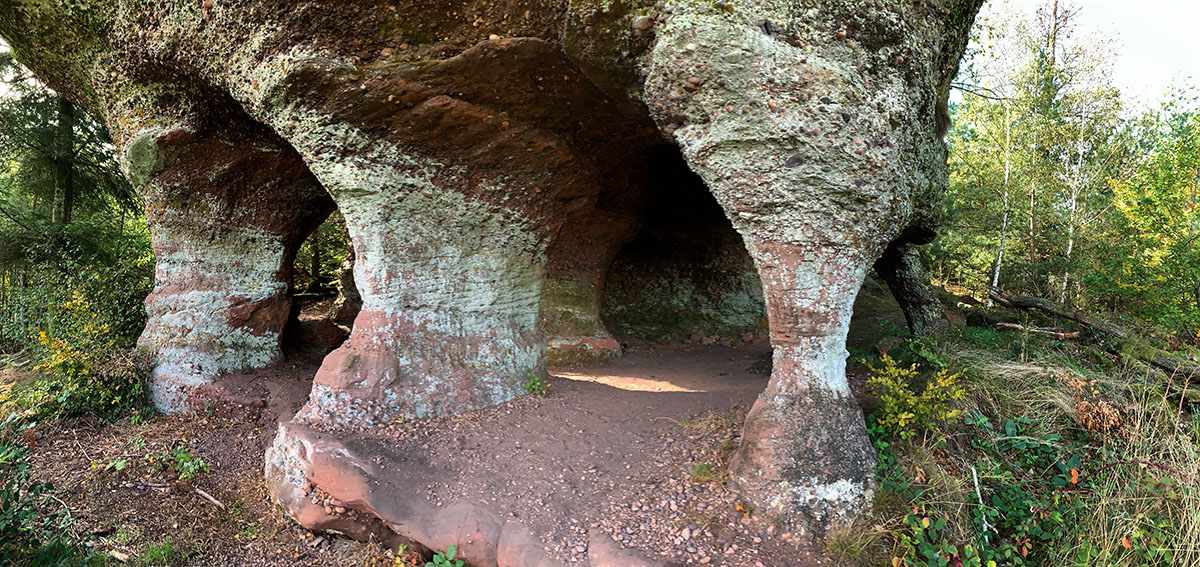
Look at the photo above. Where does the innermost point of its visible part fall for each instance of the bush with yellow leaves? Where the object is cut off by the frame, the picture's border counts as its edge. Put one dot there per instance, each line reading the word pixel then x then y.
pixel 86 370
pixel 905 412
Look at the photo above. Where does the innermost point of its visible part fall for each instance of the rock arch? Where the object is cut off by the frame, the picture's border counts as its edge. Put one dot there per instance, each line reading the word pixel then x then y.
pixel 222 293
pixel 459 139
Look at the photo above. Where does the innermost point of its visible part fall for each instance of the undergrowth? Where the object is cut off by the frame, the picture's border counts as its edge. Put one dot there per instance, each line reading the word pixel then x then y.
pixel 35 528
pixel 1003 450
pixel 81 368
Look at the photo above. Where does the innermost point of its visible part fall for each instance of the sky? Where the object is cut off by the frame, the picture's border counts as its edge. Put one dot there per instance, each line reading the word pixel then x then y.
pixel 1157 41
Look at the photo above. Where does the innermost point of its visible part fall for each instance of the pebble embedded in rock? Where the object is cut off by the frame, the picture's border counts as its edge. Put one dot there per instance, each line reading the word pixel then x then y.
pixel 643 24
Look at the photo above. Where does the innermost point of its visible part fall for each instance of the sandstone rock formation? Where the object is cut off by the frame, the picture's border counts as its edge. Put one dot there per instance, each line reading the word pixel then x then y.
pixel 486 156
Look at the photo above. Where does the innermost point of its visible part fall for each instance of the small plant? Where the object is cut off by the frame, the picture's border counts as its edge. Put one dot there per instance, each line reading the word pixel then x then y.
pixel 249 531
pixel 536 386
pixel 904 411
pixel 127 534
pixel 116 467
pixel 159 554
pixel 704 472
pixel 181 461
pixel 446 559
pixel 926 546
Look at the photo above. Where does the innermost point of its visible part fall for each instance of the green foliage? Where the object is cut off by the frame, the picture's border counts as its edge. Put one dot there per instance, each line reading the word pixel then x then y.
pixel 906 412
pixel 108 382
pixel 1029 512
pixel 321 256
pixel 75 261
pixel 1038 135
pixel 1155 270
pixel 446 559
pixel 181 461
pixel 705 472
pixel 161 554
pixel 116 467
pixel 925 545
pixel 70 293
pixel 1025 480
pixel 536 386
pixel 35 529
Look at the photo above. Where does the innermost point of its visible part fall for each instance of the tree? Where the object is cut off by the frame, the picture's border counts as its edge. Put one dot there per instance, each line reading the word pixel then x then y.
pixel 1159 204
pixel 1036 136
pixel 70 224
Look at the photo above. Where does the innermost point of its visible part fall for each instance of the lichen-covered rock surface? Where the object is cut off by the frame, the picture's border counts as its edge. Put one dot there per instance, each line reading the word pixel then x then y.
pixel 491 158
pixel 816 126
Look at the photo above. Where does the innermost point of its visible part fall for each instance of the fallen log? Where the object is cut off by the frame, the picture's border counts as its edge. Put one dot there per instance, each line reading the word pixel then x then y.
pixel 1045 306
pixel 1127 345
pixel 1062 336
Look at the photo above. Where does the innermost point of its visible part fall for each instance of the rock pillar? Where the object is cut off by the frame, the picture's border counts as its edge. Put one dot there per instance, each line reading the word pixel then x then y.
pixel 817 131
pixel 579 260
pixel 227 209
pixel 452 182
pixel 901 268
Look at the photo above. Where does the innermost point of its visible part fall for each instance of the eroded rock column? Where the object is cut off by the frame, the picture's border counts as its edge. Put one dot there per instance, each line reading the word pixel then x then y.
pixel 227 210
pixel 580 256
pixel 816 129
pixel 901 268
pixel 452 178
pixel 450 288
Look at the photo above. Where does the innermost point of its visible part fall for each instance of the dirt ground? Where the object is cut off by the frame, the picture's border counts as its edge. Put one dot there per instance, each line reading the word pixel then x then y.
pixel 637 448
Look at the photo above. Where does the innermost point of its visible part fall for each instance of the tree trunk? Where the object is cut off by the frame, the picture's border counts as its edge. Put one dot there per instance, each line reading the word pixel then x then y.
pixel 1127 345
pixel 1004 215
pixel 64 153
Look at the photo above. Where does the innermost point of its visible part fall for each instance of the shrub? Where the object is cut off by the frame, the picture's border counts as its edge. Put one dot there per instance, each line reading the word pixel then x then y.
pixel 89 369
pixel 78 312
pixel 67 292
pixel 109 383
pixel 905 412
pixel 29 535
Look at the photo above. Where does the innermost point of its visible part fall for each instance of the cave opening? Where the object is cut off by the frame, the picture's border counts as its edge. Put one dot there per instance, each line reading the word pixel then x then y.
pixel 324 297
pixel 686 277
pixel 669 285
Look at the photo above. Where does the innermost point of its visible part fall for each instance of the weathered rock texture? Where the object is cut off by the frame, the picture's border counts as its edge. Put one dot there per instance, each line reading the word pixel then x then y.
pixel 901 267
pixel 221 297
pixel 470 145
pixel 687 273
pixel 816 126
pixel 579 259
